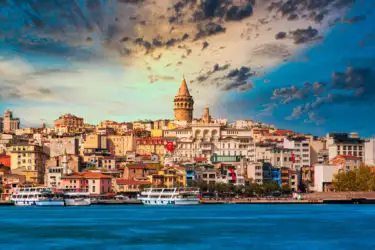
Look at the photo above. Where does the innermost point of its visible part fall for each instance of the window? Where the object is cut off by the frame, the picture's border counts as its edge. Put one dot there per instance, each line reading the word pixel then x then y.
pixel 93 189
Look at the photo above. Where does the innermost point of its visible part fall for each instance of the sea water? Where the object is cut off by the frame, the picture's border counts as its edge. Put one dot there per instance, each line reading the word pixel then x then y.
pixel 190 227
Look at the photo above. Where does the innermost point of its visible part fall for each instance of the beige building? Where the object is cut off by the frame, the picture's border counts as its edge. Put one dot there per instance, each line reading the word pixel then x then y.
pixel 95 142
pixel 101 162
pixel 69 123
pixel 28 160
pixel 345 144
pixel 183 104
pixel 58 146
pixel 58 166
pixel 118 145
pixel 317 148
pixel 10 124
pixel 205 140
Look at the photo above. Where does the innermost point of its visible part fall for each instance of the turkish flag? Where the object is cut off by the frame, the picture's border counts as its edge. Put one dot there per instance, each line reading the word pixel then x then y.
pixel 293 158
pixel 170 146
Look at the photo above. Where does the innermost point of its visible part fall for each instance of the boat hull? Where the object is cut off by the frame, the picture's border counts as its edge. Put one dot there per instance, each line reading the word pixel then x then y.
pixel 77 202
pixel 24 203
pixel 50 203
pixel 170 202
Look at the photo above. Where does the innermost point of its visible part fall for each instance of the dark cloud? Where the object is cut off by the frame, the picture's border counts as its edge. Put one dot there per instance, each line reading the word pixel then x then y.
pixel 208 29
pixel 293 93
pixel 205 45
pixel 304 35
pixel 280 35
pixel 239 79
pixel 44 91
pixel 354 19
pixel 239 12
pixel 215 69
pixel 352 87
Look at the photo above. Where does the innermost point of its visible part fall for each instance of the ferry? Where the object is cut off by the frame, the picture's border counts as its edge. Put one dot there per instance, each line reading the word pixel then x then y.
pixel 170 196
pixel 77 199
pixel 39 196
pixel 50 198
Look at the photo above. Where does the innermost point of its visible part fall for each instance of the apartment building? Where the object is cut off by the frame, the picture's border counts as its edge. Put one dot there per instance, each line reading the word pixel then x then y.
pixel 301 151
pixel 29 160
pixel 345 144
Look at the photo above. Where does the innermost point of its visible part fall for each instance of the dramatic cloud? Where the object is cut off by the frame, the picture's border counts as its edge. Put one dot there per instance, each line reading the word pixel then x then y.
pixel 354 86
pixel 81 51
pixel 239 79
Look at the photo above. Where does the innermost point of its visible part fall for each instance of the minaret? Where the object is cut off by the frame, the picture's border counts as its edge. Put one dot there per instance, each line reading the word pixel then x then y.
pixel 183 103
pixel 206 115
pixel 64 163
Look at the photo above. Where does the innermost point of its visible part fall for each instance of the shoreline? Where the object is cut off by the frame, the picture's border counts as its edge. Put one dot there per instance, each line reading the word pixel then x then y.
pixel 239 202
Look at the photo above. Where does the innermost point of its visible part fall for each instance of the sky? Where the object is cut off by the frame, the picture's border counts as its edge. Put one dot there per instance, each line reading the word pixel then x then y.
pixel 304 65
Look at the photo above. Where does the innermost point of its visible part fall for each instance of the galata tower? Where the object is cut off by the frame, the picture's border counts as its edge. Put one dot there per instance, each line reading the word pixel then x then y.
pixel 183 103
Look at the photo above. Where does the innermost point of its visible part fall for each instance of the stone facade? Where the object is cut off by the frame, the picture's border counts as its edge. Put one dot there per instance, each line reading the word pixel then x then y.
pixel 204 140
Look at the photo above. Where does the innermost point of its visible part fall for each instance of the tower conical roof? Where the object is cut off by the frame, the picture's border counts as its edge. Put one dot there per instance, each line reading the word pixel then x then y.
pixel 183 91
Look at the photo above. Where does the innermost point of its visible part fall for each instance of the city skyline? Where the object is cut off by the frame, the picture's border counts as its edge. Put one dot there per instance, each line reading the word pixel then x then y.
pixel 49 68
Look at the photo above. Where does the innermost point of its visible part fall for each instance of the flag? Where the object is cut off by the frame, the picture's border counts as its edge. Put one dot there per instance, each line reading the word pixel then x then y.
pixel 170 146
pixel 293 158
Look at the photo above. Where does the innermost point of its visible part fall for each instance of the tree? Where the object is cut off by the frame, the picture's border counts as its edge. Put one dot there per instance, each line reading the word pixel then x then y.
pixel 271 187
pixel 286 189
pixel 361 179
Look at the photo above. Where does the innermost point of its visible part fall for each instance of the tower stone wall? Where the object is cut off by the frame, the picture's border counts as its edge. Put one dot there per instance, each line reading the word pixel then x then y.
pixel 183 104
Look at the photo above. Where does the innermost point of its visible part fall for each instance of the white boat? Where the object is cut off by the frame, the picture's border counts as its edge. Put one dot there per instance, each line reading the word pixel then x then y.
pixel 170 196
pixel 77 199
pixel 50 198
pixel 40 196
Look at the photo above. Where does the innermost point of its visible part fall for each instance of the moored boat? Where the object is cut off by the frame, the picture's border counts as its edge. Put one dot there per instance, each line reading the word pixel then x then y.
pixel 39 196
pixel 50 198
pixel 170 196
pixel 77 199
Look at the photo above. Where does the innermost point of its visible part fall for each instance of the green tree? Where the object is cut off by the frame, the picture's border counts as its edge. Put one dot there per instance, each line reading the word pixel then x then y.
pixel 361 179
pixel 271 187
pixel 286 189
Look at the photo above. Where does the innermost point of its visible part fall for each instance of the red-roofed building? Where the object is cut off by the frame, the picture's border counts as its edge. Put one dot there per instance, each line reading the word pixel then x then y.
pixel 283 132
pixel 346 162
pixel 5 160
pixel 94 183
pixel 201 160
pixel 129 186
pixel 150 145
pixel 138 171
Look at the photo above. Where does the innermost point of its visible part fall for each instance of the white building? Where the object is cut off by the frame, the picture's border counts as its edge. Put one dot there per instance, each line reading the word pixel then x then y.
pixel 259 172
pixel 323 176
pixel 54 174
pixel 204 140
pixel 59 145
pixel 370 152
pixel 345 144
pixel 301 151
pixel 243 124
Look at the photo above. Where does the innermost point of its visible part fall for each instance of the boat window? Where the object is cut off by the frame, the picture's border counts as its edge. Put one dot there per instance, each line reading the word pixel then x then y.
pixel 24 196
